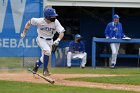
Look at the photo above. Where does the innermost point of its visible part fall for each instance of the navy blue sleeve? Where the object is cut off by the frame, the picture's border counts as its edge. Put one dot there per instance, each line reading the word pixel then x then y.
pixel 122 34
pixel 107 31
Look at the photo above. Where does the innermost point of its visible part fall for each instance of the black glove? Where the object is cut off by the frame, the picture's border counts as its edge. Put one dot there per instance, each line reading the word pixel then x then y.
pixel 54 47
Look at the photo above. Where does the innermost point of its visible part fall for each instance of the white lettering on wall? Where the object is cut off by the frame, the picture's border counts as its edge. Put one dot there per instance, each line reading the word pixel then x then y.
pixel 3 6
pixel 18 11
pixel 14 43
pixel 27 44
pixel 21 43
pixel 6 43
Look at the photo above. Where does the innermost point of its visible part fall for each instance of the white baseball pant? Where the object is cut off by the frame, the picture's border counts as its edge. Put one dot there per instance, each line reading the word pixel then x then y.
pixel 82 56
pixel 115 48
pixel 45 46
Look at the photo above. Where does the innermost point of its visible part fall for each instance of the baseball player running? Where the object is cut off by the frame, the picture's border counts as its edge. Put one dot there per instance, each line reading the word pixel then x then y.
pixel 114 31
pixel 77 51
pixel 46 28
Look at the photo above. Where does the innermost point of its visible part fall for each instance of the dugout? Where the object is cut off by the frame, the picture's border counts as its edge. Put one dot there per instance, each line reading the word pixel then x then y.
pixel 90 17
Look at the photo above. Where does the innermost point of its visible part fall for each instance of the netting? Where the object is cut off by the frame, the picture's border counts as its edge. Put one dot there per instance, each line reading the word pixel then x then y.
pixel 17 62
pixel 29 61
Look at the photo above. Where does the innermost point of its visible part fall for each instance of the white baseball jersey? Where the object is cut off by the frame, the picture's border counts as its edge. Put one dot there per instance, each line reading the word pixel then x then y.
pixel 46 30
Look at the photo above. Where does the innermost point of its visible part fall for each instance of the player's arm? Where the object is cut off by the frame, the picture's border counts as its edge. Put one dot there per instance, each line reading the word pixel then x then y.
pixel 61 35
pixel 27 26
pixel 33 21
pixel 56 42
pixel 107 32
pixel 122 34
pixel 60 30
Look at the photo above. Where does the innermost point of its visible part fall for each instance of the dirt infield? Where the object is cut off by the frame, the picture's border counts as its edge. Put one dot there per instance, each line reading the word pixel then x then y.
pixel 59 80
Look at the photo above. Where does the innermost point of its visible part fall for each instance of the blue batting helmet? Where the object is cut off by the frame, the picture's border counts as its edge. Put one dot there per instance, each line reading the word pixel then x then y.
pixel 116 16
pixel 78 36
pixel 49 12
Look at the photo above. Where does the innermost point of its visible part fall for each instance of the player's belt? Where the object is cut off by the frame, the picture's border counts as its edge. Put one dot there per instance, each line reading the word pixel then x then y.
pixel 46 38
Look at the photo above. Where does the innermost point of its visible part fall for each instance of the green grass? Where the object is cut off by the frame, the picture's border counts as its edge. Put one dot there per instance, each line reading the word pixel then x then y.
pixel 10 62
pixel 133 80
pixel 22 87
pixel 14 62
pixel 59 70
pixel 96 71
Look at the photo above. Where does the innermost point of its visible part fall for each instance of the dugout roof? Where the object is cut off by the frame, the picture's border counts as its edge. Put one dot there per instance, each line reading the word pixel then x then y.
pixel 94 3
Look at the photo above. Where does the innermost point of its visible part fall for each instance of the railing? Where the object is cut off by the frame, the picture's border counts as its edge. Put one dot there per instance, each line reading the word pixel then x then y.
pixel 103 40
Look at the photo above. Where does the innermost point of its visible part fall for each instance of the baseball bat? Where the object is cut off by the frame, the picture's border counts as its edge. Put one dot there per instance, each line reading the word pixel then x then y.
pixel 45 78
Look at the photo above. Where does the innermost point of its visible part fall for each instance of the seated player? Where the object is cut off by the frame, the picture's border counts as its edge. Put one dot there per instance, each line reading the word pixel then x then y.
pixel 77 51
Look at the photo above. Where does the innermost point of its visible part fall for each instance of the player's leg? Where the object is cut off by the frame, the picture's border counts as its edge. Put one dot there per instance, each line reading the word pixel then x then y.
pixel 46 51
pixel 37 65
pixel 39 62
pixel 69 57
pixel 84 60
pixel 46 60
pixel 117 46
pixel 117 50
pixel 114 54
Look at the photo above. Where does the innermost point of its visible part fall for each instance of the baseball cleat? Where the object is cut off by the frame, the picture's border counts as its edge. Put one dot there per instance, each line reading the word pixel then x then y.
pixel 46 73
pixel 82 67
pixel 69 67
pixel 35 69
pixel 112 66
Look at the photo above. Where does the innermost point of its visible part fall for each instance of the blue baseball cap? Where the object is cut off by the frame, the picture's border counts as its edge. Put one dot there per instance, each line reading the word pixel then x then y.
pixel 50 12
pixel 78 36
pixel 116 16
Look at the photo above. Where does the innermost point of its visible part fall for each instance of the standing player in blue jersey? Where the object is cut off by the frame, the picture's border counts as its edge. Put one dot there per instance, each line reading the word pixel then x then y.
pixel 77 51
pixel 114 31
